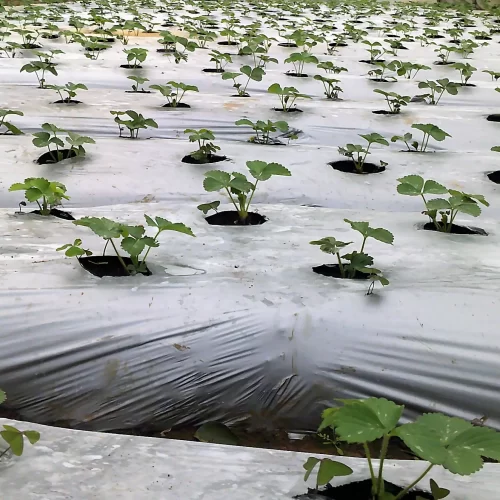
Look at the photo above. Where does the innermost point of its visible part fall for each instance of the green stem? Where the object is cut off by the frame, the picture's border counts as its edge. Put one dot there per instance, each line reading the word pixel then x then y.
pixel 370 466
pixel 232 200
pixel 122 262
pixel 363 245
pixel 383 453
pixel 148 250
pixel 251 196
pixel 341 267
pixel 402 493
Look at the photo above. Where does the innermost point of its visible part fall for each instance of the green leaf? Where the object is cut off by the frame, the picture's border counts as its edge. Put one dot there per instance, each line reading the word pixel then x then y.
pixel 362 227
pixel 215 432
pixel 381 234
pixel 330 245
pixel 262 171
pixel 215 180
pixel 106 228
pixel 366 420
pixel 133 246
pixel 32 436
pixel 410 185
pixel 14 439
pixel 433 187
pixel 311 462
pixel 206 207
pixel 438 204
pixel 469 209
pixel 437 492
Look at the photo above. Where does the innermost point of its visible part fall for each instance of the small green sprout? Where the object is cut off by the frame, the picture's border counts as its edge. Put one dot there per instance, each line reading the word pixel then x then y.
pixel 254 74
pixel 330 85
pixel 70 89
pixel 139 81
pixel 394 101
pixel 263 130
pixel 409 70
pixel 437 89
pixel 358 153
pixel 10 128
pixel 46 194
pixel 135 57
pixel 206 148
pixel 134 124
pixel 330 67
pixel 174 92
pixel 221 60
pixel 429 130
pixel 39 68
pixel 299 60
pixel 466 70
pixel 287 96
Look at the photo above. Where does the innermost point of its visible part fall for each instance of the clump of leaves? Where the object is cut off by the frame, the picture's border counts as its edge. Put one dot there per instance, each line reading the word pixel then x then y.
pixel 299 60
pixel 239 189
pixel 355 263
pixel 375 50
pixel 14 437
pixel 437 89
pixel 287 96
pixel 330 85
pixel 379 73
pixel 139 81
pixel 221 60
pixel 450 442
pixel 409 69
pixel 69 89
pixel 441 212
pixel 394 100
pixel 136 56
pixel 495 75
pixel 358 153
pixel 428 129
pixel 264 129
pixel 46 194
pixel 174 91
pixel 9 127
pixel 135 122
pixel 203 138
pixel 133 239
pixel 466 70
pixel 330 67
pixel 49 139
pixel 39 68
pixel 254 74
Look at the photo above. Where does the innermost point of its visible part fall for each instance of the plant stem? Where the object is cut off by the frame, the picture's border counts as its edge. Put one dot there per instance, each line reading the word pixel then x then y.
pixel 148 250
pixel 232 200
pixel 370 466
pixel 341 267
pixel 401 494
pixel 383 453
pixel 4 452
pixel 363 245
pixel 251 196
pixel 122 262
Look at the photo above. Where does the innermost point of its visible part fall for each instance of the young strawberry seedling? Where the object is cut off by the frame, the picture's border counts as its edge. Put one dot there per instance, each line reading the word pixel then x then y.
pixel 408 69
pixel 394 101
pixel 354 265
pixel 250 73
pixel 429 130
pixel 134 124
pixel 441 212
pixel 221 60
pixel 466 70
pixel 9 127
pixel 133 240
pixel 449 442
pixel 287 97
pixel 174 93
pixel 137 86
pixel 357 153
pixel 329 67
pixel 263 130
pixel 69 89
pixel 206 149
pixel 39 68
pixel 135 57
pixel 330 85
pixel 437 89
pixel 241 191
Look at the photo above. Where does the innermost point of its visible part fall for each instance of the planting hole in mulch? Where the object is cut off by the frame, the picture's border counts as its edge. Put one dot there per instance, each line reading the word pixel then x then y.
pixel 287 44
pixel 340 44
pixel 212 70
pixel 483 38
pixel 466 84
pixel 381 80
pixel 107 265
pixel 179 105
pixel 54 157
pixel 494 176
pixel 349 168
pixel 239 95
pixel 435 36
pixel 165 51
pixel 292 110
pixel 298 75
pixel 227 43
pixel 493 118
pixel 31 46
pixel 130 66
pixel 138 92
pixel 384 112
pixel 333 271
pixel 60 214
pixel 456 229
pixel 443 63
pixel 195 161
pixel 231 218
pixel 369 61
pixel 270 142
pixel 167 25
pixel 106 40
pixel 95 49
pixel 50 37
pixel 67 101
pixel 359 490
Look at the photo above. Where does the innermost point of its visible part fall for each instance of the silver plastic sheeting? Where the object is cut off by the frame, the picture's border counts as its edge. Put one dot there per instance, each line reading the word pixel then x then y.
pixel 234 324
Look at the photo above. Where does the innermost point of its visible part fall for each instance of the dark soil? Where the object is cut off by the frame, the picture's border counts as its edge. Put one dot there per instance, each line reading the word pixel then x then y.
pixel 435 36
pixel 31 46
pixel 347 166
pixel 227 43
pixel 238 95
pixel 340 44
pixel 384 112
pixel 179 105
pixel 67 101
pixel 165 51
pixel 494 176
pixel 359 490
pixel 195 161
pixel 292 110
pixel 298 75
pixel 131 66
pixel 443 63
pixel 466 84
pixel 95 49
pixel 381 80
pixel 456 229
pixel 212 70
pixel 369 61
pixel 138 92
pixel 106 40
pixel 231 218
pixel 52 157
pixel 60 214
pixel 483 38
pixel 333 271
pixel 167 25
pixel 106 265
pixel 50 37
pixel 493 118
pixel 287 44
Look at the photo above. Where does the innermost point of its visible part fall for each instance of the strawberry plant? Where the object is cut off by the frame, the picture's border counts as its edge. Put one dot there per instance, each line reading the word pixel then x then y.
pixel 46 194
pixel 69 89
pixel 287 97
pixel 9 127
pixel 135 122
pixel 206 149
pixel 375 49
pixel 495 75
pixel 137 86
pixel 47 57
pixel 134 241
pixel 355 264
pixel 378 74
pixel 264 129
pixel 330 85
pixel 221 60
pixel 330 67
pixel 14 437
pixel 466 70
pixel 250 73
pixel 239 189
pixel 443 53
pixel 441 212
pixel 449 442
pixel 394 101
pixel 358 153
pixel 39 68
pixel 409 69
pixel 299 60
pixel 174 93
pixel 135 57
pixel 93 48
pixel 437 89
pixel 429 130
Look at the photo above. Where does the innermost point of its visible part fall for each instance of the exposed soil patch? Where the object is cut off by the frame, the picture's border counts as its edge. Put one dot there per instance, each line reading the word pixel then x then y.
pixel 456 229
pixel 348 167
pixel 196 161
pixel 333 271
pixel 60 214
pixel 56 156
pixel 107 265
